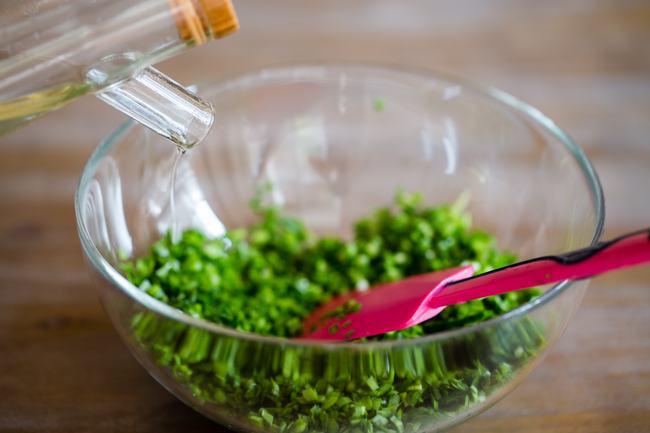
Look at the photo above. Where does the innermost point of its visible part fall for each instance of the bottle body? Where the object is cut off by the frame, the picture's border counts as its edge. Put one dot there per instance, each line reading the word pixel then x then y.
pixel 53 51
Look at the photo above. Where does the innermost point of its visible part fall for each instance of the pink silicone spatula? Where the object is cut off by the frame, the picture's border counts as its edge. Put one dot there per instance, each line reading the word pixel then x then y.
pixel 404 303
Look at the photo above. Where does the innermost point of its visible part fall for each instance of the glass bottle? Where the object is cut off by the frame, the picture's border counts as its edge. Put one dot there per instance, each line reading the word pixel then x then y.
pixel 54 51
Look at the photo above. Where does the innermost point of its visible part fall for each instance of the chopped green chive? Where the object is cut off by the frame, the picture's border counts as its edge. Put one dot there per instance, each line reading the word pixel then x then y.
pixel 268 277
pixel 310 395
pixel 372 383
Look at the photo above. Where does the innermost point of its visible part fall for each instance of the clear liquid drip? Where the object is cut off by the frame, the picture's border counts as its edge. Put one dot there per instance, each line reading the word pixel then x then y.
pixel 174 229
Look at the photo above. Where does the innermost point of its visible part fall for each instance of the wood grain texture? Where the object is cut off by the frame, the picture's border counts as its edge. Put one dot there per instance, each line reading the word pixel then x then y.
pixel 584 63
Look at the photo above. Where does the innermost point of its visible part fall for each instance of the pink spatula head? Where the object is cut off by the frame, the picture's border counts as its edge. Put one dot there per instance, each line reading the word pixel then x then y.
pixel 399 305
pixel 385 308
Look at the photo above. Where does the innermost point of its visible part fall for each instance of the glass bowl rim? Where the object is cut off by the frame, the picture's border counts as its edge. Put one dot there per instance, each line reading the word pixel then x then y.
pixel 224 82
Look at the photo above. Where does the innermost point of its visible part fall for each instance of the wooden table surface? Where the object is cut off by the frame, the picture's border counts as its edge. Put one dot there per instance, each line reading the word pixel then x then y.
pixel 584 63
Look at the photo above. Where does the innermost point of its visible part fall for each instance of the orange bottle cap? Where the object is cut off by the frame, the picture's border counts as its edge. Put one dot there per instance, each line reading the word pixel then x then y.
pixel 221 14
pixel 201 20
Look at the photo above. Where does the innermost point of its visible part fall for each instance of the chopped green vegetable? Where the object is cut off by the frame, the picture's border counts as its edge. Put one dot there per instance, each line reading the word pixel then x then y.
pixel 379 104
pixel 268 277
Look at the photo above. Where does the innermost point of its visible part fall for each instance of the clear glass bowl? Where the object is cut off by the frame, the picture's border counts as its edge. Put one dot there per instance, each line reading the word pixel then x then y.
pixel 337 141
